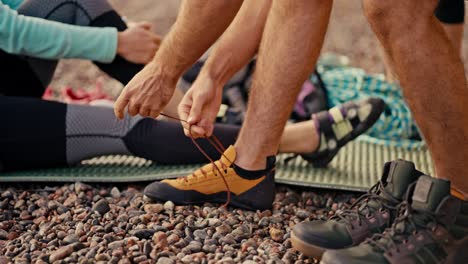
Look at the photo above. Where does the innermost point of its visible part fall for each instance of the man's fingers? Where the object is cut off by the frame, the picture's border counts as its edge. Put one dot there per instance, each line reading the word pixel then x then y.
pixel 209 130
pixel 195 112
pixel 120 104
pixel 133 109
pixel 145 111
pixel 196 131
pixel 154 114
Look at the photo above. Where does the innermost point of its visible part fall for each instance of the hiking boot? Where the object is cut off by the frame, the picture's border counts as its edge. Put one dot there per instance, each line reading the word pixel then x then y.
pixel 431 228
pixel 370 214
pixel 213 183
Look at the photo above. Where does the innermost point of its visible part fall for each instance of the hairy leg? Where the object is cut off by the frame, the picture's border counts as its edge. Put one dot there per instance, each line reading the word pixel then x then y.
pixel 452 15
pixel 288 52
pixel 455 35
pixel 432 77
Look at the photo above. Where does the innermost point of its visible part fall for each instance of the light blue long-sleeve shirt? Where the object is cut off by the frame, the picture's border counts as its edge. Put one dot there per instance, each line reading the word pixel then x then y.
pixel 46 39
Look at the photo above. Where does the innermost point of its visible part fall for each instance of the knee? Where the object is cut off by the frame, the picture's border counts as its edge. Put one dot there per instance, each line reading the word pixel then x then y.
pixel 397 15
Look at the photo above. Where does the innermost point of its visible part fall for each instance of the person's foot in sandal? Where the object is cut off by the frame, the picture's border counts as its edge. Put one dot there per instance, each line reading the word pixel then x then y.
pixel 340 125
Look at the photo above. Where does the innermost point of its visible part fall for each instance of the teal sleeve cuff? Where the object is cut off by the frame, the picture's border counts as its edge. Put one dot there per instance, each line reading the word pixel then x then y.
pixel 13 4
pixel 93 43
pixel 46 39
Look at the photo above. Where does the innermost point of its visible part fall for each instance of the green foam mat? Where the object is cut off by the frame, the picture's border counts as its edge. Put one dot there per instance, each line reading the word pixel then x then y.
pixel 356 168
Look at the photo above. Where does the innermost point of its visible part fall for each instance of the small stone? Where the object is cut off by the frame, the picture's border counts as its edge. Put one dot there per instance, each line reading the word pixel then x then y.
pixel 125 261
pixel 102 257
pixel 4 260
pixel 228 239
pixel 334 207
pixel 65 251
pixel 302 214
pixel 19 204
pixel 7 194
pixel 194 246
pixel 70 239
pixel 143 233
pixel 200 234
pixel 140 259
pixel 102 206
pixel 187 259
pixel 118 252
pixel 3 234
pixel 249 262
pixel 160 239
pixel 223 229
pixel 115 193
pixel 173 238
pixel 70 201
pixel 214 222
pixel 169 206
pixel 147 248
pixel 276 234
pixel 61 234
pixel 115 244
pixel 165 260
pixel 153 208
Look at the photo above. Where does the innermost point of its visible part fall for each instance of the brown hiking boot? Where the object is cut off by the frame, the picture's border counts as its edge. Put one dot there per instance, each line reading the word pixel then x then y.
pixel 371 213
pixel 431 228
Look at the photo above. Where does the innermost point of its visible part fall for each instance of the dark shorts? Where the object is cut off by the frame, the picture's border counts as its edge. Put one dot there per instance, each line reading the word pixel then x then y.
pixel 451 11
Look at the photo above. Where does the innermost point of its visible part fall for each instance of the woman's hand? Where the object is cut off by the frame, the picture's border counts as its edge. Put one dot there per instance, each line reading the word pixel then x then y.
pixel 138 44
pixel 147 93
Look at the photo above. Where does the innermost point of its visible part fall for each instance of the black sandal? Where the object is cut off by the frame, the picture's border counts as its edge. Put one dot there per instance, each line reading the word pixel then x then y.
pixel 340 125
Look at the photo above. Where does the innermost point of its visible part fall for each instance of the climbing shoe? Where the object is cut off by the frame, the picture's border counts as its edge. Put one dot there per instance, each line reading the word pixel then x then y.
pixel 220 182
pixel 340 125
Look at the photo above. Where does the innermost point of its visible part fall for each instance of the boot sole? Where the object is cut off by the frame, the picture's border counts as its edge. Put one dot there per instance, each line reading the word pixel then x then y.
pixel 306 248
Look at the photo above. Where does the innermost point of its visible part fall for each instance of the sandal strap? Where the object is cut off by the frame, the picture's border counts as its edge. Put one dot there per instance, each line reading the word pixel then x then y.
pixel 324 121
pixel 350 110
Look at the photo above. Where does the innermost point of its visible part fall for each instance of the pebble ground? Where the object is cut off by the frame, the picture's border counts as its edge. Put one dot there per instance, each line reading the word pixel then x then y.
pixel 81 223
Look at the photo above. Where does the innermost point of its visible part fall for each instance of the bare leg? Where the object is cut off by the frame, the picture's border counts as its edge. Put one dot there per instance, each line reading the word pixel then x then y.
pixel 299 138
pixel 455 35
pixel 288 52
pixel 432 76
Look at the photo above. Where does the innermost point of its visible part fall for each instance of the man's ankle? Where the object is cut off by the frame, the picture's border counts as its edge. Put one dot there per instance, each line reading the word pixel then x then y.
pixel 255 174
pixel 250 159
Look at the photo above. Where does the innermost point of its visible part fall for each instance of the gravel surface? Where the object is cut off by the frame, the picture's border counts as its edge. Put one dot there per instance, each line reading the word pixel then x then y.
pixel 81 223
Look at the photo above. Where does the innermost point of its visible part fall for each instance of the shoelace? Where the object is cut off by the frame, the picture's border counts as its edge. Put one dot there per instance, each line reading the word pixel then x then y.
pixel 398 233
pixel 356 212
pixel 216 143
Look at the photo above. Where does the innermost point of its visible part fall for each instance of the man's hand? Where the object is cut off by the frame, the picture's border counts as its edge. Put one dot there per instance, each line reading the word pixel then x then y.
pixel 147 93
pixel 138 43
pixel 200 107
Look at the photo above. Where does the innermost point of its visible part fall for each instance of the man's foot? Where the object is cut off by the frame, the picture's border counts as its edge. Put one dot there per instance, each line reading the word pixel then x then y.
pixel 371 213
pixel 340 125
pixel 253 191
pixel 432 227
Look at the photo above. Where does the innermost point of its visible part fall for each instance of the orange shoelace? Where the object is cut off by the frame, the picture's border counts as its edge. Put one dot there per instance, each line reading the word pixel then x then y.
pixel 216 143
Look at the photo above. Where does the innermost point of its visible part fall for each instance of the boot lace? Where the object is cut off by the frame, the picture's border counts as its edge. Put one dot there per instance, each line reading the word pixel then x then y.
pixel 216 143
pixel 408 223
pixel 362 209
